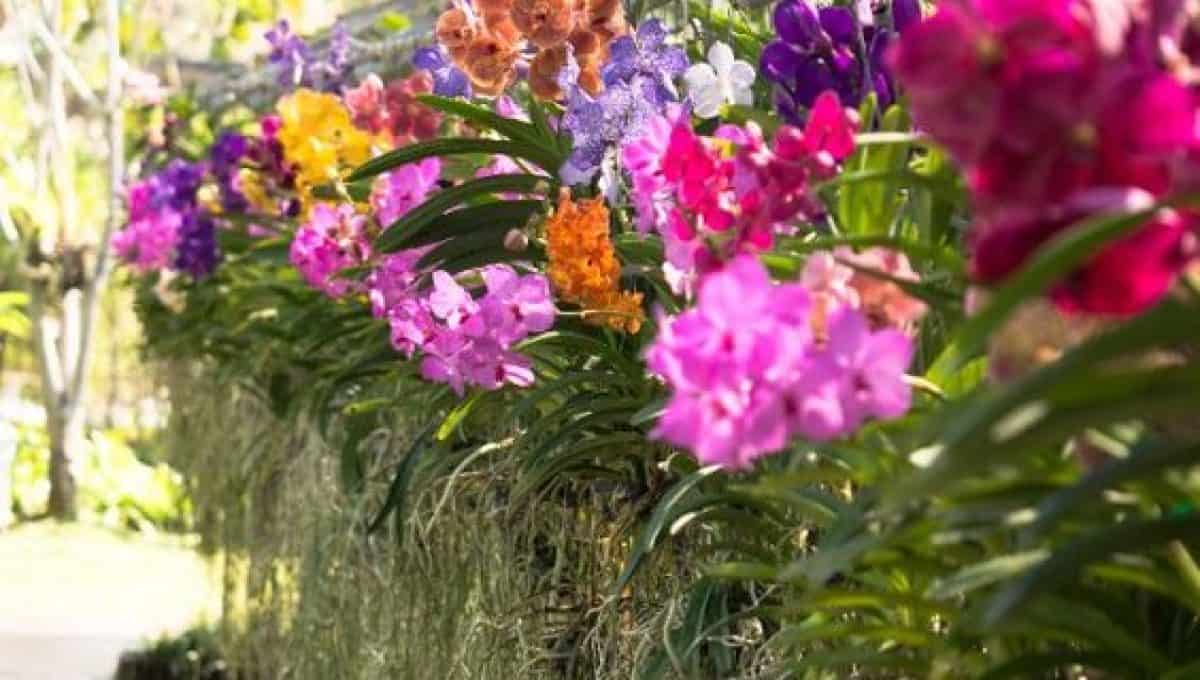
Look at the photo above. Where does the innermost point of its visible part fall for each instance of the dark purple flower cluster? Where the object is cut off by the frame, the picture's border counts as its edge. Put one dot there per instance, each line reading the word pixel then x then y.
pixel 178 184
pixel 829 48
pixel 296 64
pixel 225 160
pixel 167 226
pixel 196 251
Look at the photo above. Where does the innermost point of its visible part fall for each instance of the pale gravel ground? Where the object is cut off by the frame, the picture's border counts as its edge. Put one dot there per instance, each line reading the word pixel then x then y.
pixel 72 598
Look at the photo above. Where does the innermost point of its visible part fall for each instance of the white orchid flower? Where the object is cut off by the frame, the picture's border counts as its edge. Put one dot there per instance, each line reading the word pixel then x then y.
pixel 723 80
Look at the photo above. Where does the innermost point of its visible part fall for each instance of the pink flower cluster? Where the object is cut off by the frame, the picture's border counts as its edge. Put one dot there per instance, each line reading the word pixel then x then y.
pixel 1059 110
pixel 333 239
pixel 866 281
pixel 465 340
pixel 747 373
pixel 402 189
pixel 714 197
pixel 147 243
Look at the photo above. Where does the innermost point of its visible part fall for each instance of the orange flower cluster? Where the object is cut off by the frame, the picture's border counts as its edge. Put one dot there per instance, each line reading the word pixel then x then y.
pixel 583 266
pixel 486 43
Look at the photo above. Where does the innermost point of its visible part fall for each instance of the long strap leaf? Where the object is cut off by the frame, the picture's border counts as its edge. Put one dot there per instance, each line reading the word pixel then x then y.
pixel 1069 559
pixel 440 203
pixel 545 158
pixel 397 494
pixel 461 222
pixel 516 130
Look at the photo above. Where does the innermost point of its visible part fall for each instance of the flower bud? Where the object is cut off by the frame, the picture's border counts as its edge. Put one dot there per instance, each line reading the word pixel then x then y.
pixel 516 241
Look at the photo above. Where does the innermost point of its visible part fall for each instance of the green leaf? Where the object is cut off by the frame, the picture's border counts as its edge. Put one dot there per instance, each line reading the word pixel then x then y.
pixel 816 505
pixel 420 218
pixel 1086 622
pixel 464 221
pixel 649 413
pixel 12 319
pixel 912 637
pixel 537 116
pixel 601 413
pixel 351 464
pixel 1141 463
pixel 453 146
pixel 357 192
pixel 644 249
pixel 490 254
pixel 516 130
pixel 393 22
pixel 610 447
pixel 1039 665
pixel 576 341
pixel 13 298
pixel 746 39
pixel 885 602
pixel 740 115
pixel 862 657
pixel 1148 577
pixel 279 389
pixel 397 494
pixel 829 559
pixel 487 237
pixel 1059 399
pixel 982 574
pixel 1048 265
pixel 743 571
pixel 665 514
pixel 1185 672
pixel 896 137
pixel 869 208
pixel 706 616
pixel 546 390
pixel 1068 560
pixel 456 416
pixel 935 208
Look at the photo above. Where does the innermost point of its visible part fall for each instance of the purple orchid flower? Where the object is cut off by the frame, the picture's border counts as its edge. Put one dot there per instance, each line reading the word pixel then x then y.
pixel 448 79
pixel 829 49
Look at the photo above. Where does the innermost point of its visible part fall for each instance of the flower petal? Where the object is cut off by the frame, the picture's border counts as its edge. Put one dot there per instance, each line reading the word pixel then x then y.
pixel 707 102
pixel 848 334
pixel 720 56
pixel 700 76
pixel 741 75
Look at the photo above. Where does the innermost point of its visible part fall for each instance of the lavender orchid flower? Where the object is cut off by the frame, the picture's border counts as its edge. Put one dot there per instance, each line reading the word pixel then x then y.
pixel 448 80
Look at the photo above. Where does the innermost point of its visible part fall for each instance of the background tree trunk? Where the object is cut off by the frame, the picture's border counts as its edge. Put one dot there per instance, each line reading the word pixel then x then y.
pixel 66 438
pixel 60 281
pixel 63 348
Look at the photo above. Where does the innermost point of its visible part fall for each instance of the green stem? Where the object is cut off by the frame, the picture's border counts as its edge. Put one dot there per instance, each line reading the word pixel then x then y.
pixel 1185 564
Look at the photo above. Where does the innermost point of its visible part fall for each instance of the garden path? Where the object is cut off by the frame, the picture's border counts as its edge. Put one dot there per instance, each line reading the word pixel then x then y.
pixel 73 598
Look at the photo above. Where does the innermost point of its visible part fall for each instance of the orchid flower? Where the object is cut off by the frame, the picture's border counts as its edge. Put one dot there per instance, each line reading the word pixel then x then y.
pixel 722 80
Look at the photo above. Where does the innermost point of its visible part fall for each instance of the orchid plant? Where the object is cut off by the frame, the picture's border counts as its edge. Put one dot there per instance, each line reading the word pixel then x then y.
pixel 905 320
